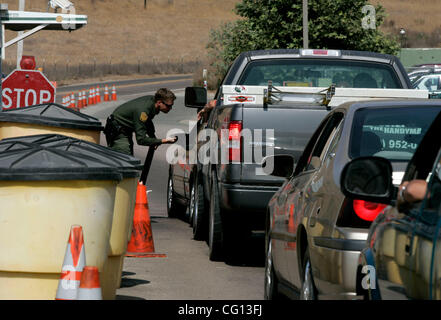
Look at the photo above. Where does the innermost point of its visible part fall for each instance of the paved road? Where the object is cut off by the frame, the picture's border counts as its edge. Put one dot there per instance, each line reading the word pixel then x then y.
pixel 186 272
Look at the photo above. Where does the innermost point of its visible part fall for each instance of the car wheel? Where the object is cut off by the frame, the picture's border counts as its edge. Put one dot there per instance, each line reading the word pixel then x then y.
pixel 271 281
pixel 199 215
pixel 215 234
pixel 174 209
pixel 308 291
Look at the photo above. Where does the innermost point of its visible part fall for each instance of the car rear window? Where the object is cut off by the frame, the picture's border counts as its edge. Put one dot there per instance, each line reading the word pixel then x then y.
pixel 391 133
pixel 320 73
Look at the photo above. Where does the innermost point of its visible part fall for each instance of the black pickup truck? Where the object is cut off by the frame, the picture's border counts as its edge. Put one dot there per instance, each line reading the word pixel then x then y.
pixel 227 199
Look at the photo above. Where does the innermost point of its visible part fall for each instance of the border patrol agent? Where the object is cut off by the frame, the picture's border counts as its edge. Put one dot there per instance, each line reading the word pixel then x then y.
pixel 136 116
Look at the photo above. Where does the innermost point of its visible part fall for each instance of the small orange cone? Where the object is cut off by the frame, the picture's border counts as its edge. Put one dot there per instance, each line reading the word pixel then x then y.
pixel 84 99
pixel 98 95
pixel 141 242
pixel 106 93
pixel 73 264
pixel 90 288
pixel 93 95
pixel 80 100
pixel 114 97
pixel 90 97
pixel 72 101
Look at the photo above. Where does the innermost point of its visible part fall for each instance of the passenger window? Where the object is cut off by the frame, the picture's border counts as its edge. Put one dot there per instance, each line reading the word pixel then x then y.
pixel 306 155
pixel 319 148
pixel 422 162
pixel 428 211
pixel 333 141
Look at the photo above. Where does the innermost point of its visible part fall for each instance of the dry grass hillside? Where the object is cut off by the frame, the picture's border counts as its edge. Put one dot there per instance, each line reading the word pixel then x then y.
pixel 171 32
pixel 420 18
pixel 123 31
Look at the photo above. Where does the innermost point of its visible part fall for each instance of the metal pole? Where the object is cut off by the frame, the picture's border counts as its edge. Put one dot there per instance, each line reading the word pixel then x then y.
pixel 1 62
pixel 3 8
pixel 305 25
pixel 147 165
pixel 21 7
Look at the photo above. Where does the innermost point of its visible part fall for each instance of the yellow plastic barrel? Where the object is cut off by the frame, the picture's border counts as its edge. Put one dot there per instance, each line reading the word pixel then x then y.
pixel 49 118
pixel 43 192
pixel 125 196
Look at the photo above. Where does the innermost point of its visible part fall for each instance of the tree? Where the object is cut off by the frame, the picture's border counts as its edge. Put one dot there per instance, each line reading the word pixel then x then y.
pixel 273 24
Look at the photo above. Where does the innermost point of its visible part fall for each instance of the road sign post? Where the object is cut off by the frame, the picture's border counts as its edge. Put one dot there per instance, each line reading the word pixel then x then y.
pixel 24 88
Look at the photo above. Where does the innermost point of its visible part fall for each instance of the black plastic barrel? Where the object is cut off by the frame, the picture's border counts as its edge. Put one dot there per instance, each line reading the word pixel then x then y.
pixel 49 118
pixel 51 140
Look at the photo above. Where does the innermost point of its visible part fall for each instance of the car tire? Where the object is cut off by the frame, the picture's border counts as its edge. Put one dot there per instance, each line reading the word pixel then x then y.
pixel 308 291
pixel 215 230
pixel 199 215
pixel 271 291
pixel 174 209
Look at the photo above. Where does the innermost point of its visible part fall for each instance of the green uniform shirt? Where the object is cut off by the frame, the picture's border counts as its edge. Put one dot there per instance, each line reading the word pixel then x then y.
pixel 135 116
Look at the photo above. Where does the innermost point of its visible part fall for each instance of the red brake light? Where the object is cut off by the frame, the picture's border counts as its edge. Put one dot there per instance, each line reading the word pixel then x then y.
pixel 367 210
pixel 234 130
pixel 320 52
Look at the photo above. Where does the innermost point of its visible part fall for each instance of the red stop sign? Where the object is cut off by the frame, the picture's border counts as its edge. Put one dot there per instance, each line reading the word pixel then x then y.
pixel 22 88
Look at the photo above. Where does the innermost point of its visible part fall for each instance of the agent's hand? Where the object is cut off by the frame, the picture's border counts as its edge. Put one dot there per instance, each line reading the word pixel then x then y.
pixel 414 191
pixel 169 140
pixel 206 110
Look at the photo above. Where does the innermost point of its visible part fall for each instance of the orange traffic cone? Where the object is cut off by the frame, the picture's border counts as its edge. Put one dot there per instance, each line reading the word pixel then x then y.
pixel 93 95
pixel 72 101
pixel 74 262
pixel 114 97
pixel 84 99
pixel 98 95
pixel 90 97
pixel 90 288
pixel 80 100
pixel 141 242
pixel 106 93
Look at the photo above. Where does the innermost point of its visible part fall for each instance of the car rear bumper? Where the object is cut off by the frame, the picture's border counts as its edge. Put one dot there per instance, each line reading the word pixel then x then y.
pixel 245 197
pixel 335 262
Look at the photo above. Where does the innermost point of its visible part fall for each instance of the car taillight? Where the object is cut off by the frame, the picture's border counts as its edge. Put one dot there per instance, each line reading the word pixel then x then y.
pixel 234 150
pixel 367 210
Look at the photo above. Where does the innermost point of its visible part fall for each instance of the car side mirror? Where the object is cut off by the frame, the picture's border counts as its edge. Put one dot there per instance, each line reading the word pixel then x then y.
pixel 195 97
pixel 368 178
pixel 281 165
